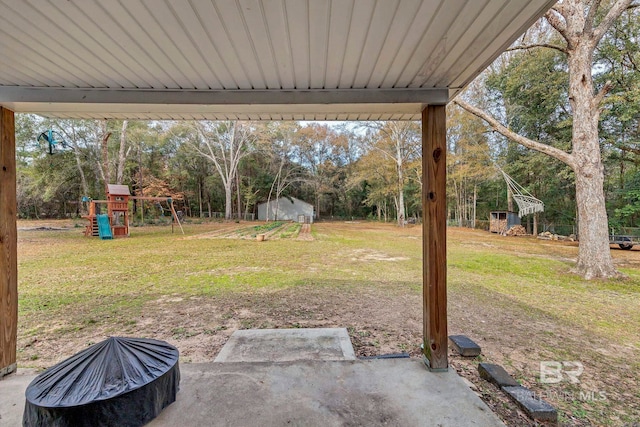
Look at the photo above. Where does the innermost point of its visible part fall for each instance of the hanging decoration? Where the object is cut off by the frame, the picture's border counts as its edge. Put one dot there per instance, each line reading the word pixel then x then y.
pixel 52 140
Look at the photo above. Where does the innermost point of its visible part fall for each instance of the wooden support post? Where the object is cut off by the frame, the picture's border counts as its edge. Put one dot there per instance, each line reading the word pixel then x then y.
pixel 434 236
pixel 8 244
pixel 174 214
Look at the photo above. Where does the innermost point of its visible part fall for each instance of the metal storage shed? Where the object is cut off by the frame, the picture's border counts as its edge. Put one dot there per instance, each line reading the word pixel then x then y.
pixel 502 221
pixel 286 209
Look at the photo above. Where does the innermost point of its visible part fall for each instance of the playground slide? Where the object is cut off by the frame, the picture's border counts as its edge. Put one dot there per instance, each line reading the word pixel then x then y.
pixel 104 228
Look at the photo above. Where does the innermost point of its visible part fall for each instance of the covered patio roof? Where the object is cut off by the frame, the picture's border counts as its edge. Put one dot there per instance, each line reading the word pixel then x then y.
pixel 249 59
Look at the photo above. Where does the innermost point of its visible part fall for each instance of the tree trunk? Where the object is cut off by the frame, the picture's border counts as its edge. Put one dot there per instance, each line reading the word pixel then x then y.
pixel 268 208
pixel 104 146
pixel 475 202
pixel 122 153
pixel 386 212
pixel 246 208
pixel 594 255
pixel 227 199
pixel 83 178
pixel 238 193
pixel 317 202
pixel 141 177
pixel 401 212
pixel 200 197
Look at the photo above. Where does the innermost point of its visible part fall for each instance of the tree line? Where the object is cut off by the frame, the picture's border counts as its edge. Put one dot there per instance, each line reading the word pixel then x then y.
pixel 357 170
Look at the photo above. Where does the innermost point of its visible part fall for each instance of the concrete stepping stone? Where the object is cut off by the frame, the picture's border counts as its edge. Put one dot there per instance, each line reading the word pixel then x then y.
pixel 496 374
pixel 533 405
pixel 285 345
pixel 464 345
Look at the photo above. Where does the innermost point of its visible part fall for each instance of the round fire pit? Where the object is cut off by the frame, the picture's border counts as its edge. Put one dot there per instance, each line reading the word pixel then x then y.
pixel 117 382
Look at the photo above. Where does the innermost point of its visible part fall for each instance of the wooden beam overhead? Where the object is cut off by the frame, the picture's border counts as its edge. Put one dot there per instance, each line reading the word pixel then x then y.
pixel 223 97
pixel 434 236
pixel 8 245
pixel 145 104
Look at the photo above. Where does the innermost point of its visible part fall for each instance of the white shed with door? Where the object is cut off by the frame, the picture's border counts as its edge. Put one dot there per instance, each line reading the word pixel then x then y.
pixel 286 209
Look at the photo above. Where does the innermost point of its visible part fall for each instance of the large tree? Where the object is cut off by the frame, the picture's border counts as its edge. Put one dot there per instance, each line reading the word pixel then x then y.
pixel 399 144
pixel 313 151
pixel 468 164
pixel 278 146
pixel 581 25
pixel 225 144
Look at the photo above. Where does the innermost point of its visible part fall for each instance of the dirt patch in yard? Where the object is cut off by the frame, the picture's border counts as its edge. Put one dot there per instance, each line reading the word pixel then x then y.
pixel 305 233
pixel 379 320
pixel 371 255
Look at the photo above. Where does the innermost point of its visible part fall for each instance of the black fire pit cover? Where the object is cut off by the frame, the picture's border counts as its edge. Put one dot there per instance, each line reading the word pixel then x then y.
pixel 117 382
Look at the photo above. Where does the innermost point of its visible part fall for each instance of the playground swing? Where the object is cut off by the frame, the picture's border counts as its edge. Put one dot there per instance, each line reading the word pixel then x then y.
pixel 158 203
pixel 116 222
pixel 159 206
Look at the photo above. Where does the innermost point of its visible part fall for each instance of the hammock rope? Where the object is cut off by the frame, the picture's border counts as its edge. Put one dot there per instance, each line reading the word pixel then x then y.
pixel 527 204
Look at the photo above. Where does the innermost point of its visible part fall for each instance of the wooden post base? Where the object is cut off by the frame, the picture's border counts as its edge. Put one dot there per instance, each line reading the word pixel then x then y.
pixel 8 370
pixel 426 362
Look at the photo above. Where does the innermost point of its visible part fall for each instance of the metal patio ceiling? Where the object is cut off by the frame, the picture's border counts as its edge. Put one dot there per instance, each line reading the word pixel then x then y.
pixel 249 59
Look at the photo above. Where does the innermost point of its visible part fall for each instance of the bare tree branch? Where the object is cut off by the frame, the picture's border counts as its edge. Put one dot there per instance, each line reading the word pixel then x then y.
pixel 628 148
pixel 210 154
pixel 562 8
pixel 529 143
pixel 536 45
pixel 593 9
pixel 556 20
pixel 597 100
pixel 614 13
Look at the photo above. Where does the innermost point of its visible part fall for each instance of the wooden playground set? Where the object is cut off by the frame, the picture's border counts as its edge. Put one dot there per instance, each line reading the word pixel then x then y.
pixel 115 223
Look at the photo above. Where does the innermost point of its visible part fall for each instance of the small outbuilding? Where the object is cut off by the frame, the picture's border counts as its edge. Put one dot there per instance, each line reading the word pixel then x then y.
pixel 286 209
pixel 501 221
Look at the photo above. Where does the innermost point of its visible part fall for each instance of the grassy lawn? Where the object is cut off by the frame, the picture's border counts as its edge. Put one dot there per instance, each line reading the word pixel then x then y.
pixel 513 295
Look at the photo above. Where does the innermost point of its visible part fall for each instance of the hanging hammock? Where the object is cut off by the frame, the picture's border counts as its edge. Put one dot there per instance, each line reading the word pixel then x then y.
pixel 527 204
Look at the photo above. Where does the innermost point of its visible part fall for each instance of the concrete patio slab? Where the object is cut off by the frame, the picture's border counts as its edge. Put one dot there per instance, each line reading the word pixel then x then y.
pixel 286 345
pixel 397 392
pixel 12 390
pixel 391 392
